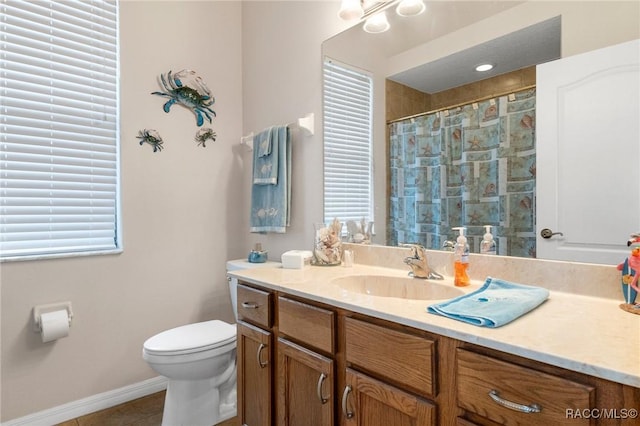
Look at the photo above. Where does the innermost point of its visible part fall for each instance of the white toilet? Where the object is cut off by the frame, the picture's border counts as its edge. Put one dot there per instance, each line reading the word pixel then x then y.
pixel 200 362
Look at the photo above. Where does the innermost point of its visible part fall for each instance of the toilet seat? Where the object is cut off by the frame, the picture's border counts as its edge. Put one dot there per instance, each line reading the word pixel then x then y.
pixel 191 338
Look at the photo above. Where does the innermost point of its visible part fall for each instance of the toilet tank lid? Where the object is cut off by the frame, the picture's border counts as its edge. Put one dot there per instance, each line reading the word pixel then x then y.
pixel 234 265
pixel 192 337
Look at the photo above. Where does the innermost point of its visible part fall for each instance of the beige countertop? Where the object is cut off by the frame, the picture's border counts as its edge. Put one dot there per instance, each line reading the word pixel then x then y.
pixel 591 335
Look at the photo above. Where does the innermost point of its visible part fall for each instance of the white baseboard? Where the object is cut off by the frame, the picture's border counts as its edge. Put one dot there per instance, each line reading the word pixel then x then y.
pixel 91 404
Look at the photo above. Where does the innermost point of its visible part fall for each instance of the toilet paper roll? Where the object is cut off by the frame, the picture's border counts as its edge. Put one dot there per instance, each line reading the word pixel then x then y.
pixel 54 325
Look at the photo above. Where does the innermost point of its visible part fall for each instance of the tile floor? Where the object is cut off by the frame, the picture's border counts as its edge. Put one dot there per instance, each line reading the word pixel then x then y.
pixel 146 411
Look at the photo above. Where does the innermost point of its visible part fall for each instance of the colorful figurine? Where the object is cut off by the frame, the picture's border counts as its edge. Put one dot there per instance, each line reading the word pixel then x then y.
pixel 630 269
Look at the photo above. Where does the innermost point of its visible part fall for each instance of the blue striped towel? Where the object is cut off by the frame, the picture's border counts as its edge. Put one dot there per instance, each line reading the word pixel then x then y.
pixel 496 303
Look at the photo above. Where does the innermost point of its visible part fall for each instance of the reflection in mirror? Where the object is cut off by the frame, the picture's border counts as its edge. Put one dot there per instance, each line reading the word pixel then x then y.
pixel 459 176
pixel 471 165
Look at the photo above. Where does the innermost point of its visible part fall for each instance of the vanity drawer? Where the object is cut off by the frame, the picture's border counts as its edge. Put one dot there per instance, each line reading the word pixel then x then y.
pixel 397 356
pixel 479 376
pixel 254 306
pixel 306 323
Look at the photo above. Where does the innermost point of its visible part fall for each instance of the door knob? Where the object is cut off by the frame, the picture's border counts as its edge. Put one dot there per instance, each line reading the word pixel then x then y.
pixel 548 233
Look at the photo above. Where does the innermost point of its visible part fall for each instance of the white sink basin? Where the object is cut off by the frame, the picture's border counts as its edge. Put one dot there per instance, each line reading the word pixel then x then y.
pixel 399 287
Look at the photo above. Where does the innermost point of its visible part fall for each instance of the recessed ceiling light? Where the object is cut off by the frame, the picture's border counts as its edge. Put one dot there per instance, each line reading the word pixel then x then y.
pixel 484 67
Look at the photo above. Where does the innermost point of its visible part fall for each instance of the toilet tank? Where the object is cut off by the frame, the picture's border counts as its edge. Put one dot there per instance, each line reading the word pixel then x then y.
pixel 235 265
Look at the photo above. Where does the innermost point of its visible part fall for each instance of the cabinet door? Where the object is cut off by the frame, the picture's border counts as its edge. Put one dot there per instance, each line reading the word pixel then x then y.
pixel 305 386
pixel 255 372
pixel 588 154
pixel 369 402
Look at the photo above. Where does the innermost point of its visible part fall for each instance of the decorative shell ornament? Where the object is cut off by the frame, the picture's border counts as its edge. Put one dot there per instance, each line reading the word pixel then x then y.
pixel 152 137
pixel 187 88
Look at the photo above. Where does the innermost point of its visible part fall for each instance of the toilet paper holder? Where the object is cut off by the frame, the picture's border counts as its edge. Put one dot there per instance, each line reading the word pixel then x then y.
pixel 51 307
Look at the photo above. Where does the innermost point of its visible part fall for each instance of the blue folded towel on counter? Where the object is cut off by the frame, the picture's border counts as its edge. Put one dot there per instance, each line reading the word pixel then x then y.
pixel 495 304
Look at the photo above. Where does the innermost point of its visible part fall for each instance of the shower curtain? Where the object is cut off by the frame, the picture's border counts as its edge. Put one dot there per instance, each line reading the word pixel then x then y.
pixel 470 166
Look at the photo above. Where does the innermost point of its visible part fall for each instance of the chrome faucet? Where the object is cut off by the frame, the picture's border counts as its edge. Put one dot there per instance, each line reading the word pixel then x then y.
pixel 418 263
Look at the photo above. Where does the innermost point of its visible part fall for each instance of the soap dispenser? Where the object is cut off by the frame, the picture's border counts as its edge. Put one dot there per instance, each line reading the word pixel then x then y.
pixel 461 259
pixel 488 244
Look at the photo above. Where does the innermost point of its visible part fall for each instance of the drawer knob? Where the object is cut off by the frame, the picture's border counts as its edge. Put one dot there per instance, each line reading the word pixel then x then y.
pixel 250 305
pixel 532 408
pixel 259 357
pixel 345 410
pixel 322 399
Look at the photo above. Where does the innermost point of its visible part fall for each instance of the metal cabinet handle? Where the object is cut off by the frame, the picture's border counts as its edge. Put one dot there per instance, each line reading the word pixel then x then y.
pixel 322 399
pixel 250 305
pixel 348 414
pixel 532 408
pixel 260 363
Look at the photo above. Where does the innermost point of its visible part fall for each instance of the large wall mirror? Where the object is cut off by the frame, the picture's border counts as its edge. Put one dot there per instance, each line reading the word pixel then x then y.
pixel 436 53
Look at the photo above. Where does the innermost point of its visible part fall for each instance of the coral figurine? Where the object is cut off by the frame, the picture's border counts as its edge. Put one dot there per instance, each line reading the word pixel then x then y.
pixel 630 269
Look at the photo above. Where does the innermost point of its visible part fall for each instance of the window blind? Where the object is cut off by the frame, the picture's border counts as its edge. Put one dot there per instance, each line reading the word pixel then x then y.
pixel 348 169
pixel 59 127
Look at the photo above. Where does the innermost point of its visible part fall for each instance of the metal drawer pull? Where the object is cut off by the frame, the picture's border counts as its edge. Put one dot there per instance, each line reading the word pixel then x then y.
pixel 348 414
pixel 260 363
pixel 322 399
pixel 250 305
pixel 533 408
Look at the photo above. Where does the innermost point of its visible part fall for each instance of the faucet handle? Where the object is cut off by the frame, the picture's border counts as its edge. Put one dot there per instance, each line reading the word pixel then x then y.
pixel 415 248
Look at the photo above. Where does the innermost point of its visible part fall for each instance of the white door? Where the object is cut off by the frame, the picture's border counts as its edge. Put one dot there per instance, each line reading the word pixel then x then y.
pixel 588 154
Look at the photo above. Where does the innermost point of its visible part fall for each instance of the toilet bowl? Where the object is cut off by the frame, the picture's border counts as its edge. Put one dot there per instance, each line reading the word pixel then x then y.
pixel 200 362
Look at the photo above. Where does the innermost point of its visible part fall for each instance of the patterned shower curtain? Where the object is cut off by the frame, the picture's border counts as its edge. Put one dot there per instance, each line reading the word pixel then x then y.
pixel 469 166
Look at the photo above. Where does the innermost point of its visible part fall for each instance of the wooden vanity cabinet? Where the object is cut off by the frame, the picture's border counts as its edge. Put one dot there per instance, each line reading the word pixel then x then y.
pixel 306 368
pixel 255 356
pixel 390 375
pixel 302 362
pixel 370 402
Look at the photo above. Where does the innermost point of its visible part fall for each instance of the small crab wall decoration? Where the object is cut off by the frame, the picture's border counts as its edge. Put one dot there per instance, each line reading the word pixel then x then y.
pixel 152 137
pixel 203 135
pixel 188 89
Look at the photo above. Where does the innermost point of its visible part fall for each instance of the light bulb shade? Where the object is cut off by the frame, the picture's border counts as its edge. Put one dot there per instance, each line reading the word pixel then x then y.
pixel 377 23
pixel 410 7
pixel 350 9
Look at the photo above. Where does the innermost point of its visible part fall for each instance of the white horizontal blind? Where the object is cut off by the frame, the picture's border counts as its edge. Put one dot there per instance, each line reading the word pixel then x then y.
pixel 59 127
pixel 348 169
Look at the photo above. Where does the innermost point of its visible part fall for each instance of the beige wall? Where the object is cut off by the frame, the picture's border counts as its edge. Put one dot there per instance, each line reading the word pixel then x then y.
pixel 185 209
pixel 179 218
pixel 282 67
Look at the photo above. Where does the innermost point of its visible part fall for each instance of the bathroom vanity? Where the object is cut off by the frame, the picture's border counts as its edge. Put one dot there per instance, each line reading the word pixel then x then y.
pixel 312 350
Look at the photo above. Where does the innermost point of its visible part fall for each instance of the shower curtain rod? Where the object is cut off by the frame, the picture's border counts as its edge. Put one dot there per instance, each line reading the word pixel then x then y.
pixel 461 104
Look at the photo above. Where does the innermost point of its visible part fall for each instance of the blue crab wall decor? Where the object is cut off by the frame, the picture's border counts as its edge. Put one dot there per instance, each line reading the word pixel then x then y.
pixel 188 89
pixel 203 135
pixel 152 137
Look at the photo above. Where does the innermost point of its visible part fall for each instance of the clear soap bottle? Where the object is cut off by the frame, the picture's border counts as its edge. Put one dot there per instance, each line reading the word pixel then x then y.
pixel 488 244
pixel 461 259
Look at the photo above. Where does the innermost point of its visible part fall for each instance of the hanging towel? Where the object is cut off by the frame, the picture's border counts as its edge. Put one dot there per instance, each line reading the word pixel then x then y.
pixel 271 204
pixel 497 303
pixel 266 157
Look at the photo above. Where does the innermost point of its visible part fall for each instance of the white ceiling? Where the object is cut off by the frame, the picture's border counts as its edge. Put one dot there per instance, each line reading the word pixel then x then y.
pixel 530 46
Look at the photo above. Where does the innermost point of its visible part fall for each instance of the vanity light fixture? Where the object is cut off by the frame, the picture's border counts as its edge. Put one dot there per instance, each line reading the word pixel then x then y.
pixel 350 9
pixel 484 67
pixel 410 7
pixel 377 23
